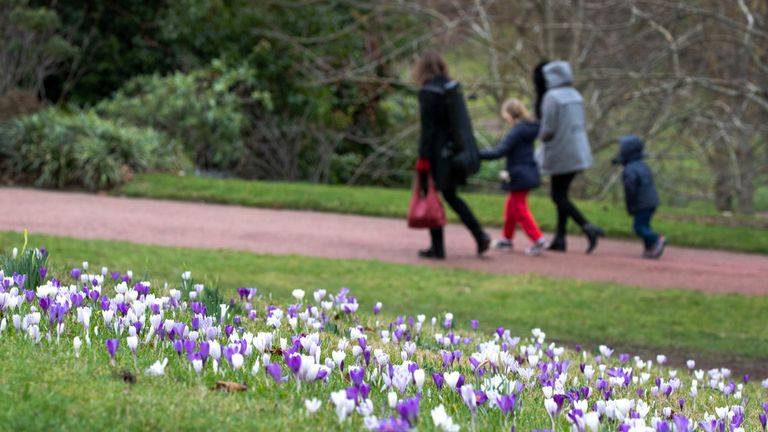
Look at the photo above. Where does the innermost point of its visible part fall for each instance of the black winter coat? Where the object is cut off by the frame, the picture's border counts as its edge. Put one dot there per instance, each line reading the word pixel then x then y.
pixel 517 146
pixel 639 190
pixel 435 143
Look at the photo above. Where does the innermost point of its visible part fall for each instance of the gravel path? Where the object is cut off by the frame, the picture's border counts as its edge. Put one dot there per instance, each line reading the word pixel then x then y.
pixel 355 237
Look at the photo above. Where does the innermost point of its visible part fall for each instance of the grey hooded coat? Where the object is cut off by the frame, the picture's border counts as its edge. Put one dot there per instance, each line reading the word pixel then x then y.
pixel 563 126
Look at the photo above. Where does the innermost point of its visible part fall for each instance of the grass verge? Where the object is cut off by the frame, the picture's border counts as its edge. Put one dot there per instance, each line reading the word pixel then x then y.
pixel 683 227
pixel 567 310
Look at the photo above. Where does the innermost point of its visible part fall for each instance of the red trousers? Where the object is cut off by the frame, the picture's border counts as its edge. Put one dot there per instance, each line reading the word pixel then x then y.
pixel 516 212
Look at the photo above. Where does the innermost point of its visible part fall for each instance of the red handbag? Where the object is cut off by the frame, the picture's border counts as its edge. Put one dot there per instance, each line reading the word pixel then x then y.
pixel 426 211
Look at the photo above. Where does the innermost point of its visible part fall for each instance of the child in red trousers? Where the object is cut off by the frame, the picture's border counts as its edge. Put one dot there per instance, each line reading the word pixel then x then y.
pixel 521 175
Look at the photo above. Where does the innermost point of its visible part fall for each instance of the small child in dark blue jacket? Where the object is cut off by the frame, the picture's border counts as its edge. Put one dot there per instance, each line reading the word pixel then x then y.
pixel 640 194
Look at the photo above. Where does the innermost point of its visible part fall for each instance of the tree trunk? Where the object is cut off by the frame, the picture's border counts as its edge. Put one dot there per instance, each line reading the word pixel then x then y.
pixel 724 187
pixel 747 172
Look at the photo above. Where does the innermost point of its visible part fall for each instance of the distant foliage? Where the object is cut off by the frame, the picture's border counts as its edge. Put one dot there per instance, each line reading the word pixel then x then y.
pixel 202 110
pixel 56 149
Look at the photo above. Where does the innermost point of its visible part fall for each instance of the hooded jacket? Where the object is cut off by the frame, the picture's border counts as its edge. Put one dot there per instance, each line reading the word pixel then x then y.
pixel 517 146
pixel 563 125
pixel 639 190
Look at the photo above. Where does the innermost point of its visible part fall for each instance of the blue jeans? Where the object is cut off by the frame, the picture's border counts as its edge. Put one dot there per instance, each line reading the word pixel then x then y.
pixel 643 229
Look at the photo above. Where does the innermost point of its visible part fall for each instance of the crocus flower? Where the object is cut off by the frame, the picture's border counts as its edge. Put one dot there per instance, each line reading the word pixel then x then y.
pixel 273 369
pixel 474 324
pixel 418 378
pixel 439 380
pixel 76 343
pixel 112 345
pixel 157 368
pixel 409 410
pixel 377 308
pixel 469 397
pixel 312 405
pixel 506 403
pixel 237 361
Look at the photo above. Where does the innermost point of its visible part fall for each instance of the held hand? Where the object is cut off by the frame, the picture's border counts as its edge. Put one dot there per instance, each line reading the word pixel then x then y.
pixel 422 165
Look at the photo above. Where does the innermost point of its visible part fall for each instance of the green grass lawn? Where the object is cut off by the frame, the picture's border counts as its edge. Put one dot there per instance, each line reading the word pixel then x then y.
pixel 45 387
pixel 580 312
pixel 684 228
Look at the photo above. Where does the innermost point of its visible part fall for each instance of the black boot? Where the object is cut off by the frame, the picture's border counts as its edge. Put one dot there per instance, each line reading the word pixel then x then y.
pixel 483 242
pixel 557 244
pixel 431 254
pixel 593 232
pixel 437 249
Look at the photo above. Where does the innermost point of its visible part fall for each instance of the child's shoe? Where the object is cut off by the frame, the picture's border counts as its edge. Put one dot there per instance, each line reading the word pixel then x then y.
pixel 658 248
pixel 537 248
pixel 503 244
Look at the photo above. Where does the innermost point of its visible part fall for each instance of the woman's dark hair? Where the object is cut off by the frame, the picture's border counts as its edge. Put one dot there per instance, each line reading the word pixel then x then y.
pixel 540 85
pixel 427 66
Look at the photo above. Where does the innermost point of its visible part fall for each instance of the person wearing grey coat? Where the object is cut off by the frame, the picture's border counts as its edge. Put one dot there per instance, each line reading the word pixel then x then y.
pixel 565 149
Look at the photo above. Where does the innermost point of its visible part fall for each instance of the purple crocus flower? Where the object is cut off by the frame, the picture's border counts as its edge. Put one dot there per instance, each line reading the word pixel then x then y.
pixel 682 424
pixel 763 421
pixel 294 362
pixel 439 380
pixel 409 410
pixel 507 404
pixel 352 394
pixel 45 302
pixel 365 389
pixel 75 273
pixel 204 349
pixel 356 374
pixel 474 324
pixel 20 280
pixel 29 295
pixel 662 426
pixel 273 369
pixel 746 378
pixel 623 358
pixel 43 272
pixel 500 331
pixel 178 346
pixel 377 308
pixel 112 345
pixel 115 275
pixel 393 424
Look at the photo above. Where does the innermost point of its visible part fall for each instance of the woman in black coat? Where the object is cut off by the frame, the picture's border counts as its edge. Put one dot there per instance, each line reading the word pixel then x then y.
pixel 435 152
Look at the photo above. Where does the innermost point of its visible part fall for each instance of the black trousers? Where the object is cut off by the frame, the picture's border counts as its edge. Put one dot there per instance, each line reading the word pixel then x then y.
pixel 561 185
pixel 465 214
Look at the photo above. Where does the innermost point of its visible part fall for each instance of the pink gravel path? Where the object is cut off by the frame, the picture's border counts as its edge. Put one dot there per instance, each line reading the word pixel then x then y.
pixel 280 232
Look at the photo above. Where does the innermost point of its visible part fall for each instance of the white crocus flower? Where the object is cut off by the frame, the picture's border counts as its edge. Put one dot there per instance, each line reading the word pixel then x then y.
pixel 298 294
pixel 158 368
pixel 197 365
pixel 418 378
pixel 312 405
pixel 451 379
pixel 76 344
pixel 237 361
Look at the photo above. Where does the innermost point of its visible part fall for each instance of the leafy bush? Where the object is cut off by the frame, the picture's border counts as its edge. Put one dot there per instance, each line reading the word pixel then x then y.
pixel 56 149
pixel 201 109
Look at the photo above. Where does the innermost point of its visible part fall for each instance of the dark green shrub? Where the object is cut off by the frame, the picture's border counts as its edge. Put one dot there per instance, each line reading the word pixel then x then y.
pixel 56 149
